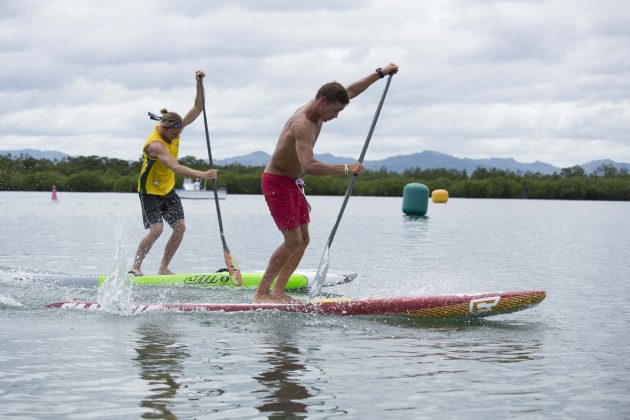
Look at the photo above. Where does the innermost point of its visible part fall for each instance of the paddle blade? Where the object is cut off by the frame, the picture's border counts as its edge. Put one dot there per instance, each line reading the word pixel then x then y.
pixel 320 277
pixel 232 266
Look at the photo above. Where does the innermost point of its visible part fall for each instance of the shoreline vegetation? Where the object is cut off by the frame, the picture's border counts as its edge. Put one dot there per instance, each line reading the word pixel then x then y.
pixel 102 174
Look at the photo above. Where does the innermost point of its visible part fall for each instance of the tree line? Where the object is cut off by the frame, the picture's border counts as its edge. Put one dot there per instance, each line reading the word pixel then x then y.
pixel 102 174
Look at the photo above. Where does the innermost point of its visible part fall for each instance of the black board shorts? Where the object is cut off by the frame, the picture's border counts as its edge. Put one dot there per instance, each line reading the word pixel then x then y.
pixel 156 208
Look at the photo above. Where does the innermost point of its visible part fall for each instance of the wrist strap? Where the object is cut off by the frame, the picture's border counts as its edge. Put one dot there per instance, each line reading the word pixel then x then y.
pixel 380 72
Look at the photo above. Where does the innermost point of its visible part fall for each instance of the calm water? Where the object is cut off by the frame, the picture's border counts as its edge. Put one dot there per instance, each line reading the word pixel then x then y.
pixel 566 358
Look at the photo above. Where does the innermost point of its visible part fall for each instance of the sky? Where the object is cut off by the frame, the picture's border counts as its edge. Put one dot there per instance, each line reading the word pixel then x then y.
pixel 544 80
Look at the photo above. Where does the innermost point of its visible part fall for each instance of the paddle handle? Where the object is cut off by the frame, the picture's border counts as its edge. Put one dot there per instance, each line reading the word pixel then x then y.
pixel 375 119
pixel 230 261
pixel 214 181
pixel 205 122
pixel 361 157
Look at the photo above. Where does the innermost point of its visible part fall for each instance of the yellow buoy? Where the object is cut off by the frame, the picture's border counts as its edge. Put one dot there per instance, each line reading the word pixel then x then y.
pixel 439 196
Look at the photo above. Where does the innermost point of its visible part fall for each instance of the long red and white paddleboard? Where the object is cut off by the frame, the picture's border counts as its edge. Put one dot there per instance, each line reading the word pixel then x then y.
pixel 437 306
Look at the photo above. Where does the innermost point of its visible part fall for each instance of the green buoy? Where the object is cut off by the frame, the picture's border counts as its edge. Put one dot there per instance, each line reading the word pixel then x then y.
pixel 415 199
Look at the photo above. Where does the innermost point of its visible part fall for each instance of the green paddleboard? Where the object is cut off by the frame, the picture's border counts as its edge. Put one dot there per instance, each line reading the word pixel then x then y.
pixel 296 281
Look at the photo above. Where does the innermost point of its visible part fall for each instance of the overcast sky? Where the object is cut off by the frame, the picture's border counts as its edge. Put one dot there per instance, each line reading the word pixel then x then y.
pixel 541 80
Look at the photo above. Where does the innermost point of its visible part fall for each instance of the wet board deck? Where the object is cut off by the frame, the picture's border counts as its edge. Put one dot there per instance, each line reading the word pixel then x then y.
pixel 470 305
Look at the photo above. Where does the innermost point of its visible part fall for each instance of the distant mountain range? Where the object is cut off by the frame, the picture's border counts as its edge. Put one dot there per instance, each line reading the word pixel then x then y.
pixel 36 154
pixel 432 160
pixel 424 160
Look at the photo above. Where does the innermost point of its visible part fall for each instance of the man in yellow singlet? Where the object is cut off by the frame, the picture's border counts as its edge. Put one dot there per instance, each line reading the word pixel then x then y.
pixel 156 183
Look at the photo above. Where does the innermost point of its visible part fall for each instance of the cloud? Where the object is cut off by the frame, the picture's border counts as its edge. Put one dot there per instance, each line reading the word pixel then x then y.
pixel 533 80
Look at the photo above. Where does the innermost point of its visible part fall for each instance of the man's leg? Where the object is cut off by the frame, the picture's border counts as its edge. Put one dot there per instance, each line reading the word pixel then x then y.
pixel 292 263
pixel 145 246
pixel 279 258
pixel 179 227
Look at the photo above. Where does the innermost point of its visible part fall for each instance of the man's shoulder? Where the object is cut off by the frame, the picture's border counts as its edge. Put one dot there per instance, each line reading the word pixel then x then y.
pixel 155 148
pixel 300 121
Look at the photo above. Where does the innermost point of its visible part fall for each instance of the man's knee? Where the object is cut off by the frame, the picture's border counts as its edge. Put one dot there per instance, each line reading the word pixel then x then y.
pixel 156 229
pixel 305 241
pixel 292 240
pixel 296 242
pixel 179 226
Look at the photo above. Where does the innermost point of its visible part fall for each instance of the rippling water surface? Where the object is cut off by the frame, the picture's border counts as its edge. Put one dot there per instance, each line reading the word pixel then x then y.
pixel 566 358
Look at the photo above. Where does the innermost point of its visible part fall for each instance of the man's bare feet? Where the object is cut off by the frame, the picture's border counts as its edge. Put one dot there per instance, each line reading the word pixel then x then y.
pixel 164 272
pixel 275 297
pixel 136 272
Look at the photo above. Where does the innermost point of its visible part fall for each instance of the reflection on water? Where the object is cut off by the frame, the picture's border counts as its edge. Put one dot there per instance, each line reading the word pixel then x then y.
pixel 285 393
pixel 479 339
pixel 160 359
pixel 415 218
pixel 484 351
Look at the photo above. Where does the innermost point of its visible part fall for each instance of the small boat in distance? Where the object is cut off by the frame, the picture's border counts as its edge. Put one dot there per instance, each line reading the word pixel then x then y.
pixel 193 190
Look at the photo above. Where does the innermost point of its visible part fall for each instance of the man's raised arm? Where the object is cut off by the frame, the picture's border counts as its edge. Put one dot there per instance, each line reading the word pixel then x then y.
pixel 198 105
pixel 356 88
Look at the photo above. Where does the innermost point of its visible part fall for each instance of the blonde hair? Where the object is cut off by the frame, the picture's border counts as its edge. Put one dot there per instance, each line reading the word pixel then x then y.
pixel 169 119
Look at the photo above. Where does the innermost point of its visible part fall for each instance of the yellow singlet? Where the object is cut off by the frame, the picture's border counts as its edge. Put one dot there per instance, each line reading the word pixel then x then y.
pixel 155 177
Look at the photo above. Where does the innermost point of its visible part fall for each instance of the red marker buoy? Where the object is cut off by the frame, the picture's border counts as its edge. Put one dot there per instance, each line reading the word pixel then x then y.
pixel 54 194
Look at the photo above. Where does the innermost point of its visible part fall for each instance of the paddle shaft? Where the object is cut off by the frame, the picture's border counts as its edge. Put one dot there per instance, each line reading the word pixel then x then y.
pixel 323 265
pixel 214 181
pixel 363 152
pixel 226 251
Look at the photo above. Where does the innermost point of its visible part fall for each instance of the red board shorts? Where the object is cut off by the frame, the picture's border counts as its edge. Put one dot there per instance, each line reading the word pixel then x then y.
pixel 286 200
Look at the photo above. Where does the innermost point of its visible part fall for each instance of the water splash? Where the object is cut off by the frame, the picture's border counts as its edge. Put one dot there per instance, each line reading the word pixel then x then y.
pixel 8 301
pixel 320 277
pixel 116 294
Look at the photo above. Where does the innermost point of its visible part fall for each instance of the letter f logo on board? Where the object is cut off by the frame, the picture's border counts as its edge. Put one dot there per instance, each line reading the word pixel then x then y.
pixel 483 305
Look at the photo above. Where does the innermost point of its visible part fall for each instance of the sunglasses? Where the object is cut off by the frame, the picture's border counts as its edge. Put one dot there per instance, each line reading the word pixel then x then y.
pixel 177 126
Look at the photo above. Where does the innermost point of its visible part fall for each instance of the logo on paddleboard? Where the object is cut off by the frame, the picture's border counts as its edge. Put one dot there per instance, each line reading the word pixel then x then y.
pixel 208 279
pixel 483 305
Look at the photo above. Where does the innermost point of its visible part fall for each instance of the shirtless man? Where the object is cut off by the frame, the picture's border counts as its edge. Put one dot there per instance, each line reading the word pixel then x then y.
pixel 283 189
